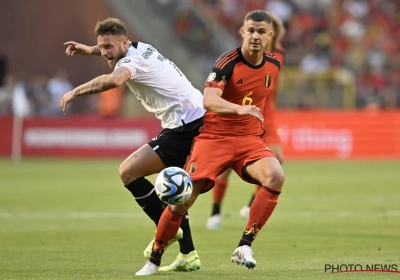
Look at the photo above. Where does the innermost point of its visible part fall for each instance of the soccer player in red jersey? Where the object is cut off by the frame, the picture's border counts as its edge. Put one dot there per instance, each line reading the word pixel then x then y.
pixel 232 138
pixel 270 136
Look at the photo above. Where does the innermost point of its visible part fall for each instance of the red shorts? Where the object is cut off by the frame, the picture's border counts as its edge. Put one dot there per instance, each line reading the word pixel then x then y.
pixel 211 155
pixel 271 135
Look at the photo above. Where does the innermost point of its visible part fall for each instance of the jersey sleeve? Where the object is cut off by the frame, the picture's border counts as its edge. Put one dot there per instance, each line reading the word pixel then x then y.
pixel 280 55
pixel 129 64
pixel 222 71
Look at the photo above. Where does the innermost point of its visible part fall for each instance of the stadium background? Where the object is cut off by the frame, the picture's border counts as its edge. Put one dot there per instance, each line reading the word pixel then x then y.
pixel 63 211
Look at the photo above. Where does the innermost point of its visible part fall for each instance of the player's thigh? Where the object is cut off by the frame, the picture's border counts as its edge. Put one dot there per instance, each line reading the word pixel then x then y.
pixel 143 162
pixel 267 171
pixel 253 154
pixel 210 156
pixel 225 174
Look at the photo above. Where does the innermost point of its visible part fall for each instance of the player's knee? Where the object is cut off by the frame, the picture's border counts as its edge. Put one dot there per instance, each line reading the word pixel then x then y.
pixel 275 178
pixel 278 178
pixel 181 209
pixel 126 174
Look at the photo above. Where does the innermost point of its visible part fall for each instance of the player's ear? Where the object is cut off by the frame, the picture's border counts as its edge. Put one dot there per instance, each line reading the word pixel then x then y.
pixel 125 42
pixel 271 34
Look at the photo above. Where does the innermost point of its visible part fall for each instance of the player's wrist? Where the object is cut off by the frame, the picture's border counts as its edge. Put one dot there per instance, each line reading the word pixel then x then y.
pixel 95 50
pixel 236 108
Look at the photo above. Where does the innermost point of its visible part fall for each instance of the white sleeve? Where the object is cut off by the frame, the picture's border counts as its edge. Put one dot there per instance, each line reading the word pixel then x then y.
pixel 129 64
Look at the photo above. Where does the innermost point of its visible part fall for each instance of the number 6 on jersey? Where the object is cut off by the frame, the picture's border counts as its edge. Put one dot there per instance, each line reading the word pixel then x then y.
pixel 247 99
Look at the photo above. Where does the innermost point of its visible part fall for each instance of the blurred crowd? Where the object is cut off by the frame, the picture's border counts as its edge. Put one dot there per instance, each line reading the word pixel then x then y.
pixel 39 95
pixel 362 36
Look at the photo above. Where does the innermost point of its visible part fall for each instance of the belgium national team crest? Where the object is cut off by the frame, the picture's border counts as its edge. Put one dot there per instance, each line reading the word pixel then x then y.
pixel 268 80
pixel 192 168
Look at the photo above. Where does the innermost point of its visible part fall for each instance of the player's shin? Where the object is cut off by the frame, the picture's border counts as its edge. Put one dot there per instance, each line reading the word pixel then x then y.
pixel 260 211
pixel 218 195
pixel 145 195
pixel 167 228
pixel 186 243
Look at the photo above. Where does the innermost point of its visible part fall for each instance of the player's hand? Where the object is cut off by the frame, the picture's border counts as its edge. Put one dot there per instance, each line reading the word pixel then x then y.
pixel 67 98
pixel 76 48
pixel 250 110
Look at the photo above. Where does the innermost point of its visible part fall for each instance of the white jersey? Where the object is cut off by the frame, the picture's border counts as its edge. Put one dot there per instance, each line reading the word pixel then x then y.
pixel 161 87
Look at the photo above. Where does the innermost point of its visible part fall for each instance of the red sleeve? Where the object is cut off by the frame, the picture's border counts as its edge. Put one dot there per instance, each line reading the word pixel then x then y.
pixel 222 70
pixel 280 55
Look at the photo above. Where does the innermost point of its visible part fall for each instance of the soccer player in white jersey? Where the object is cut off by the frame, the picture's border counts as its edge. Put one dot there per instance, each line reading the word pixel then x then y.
pixel 163 90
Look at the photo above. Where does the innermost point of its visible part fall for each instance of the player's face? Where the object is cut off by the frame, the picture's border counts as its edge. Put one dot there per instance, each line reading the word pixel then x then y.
pixel 113 47
pixel 256 35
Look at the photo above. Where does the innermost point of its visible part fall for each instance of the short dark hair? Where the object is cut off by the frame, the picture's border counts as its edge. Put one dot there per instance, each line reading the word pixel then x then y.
pixel 112 26
pixel 258 15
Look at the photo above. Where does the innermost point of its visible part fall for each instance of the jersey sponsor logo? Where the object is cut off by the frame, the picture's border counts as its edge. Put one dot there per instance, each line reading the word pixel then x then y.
pixel 122 61
pixel 240 82
pixel 149 51
pixel 211 77
pixel 268 79
pixel 192 168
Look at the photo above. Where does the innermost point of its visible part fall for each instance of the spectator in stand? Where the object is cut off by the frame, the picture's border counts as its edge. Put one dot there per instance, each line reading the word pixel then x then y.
pixel 110 102
pixel 58 86
pixel 358 35
pixel 6 95
pixel 40 95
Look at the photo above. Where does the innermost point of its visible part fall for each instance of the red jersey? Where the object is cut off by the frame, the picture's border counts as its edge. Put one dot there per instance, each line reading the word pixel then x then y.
pixel 242 84
pixel 269 106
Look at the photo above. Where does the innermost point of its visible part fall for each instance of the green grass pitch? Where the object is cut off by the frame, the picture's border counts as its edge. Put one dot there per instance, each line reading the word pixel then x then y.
pixel 73 219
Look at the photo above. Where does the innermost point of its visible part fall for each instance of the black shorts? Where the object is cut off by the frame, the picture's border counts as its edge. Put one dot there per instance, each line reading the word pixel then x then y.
pixel 173 145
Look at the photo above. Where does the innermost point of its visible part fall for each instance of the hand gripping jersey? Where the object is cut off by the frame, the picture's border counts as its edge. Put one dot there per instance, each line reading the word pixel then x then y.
pixel 161 87
pixel 243 84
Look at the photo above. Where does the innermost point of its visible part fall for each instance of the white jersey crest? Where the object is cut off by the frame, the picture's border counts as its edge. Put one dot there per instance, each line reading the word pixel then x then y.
pixel 161 87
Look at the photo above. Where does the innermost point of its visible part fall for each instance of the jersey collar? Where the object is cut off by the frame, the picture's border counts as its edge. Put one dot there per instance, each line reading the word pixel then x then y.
pixel 248 64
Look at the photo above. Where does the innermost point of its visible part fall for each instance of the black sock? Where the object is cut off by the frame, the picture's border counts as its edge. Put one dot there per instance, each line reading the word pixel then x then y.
pixel 144 193
pixel 247 238
pixel 186 243
pixel 156 254
pixel 155 258
pixel 216 209
pixel 253 196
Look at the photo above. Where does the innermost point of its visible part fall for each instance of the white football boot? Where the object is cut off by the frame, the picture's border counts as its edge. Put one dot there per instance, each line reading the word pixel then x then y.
pixel 148 269
pixel 214 222
pixel 245 212
pixel 244 255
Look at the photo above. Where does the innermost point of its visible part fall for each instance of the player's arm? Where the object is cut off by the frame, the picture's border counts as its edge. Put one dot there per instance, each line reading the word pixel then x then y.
pixel 77 48
pixel 97 85
pixel 213 101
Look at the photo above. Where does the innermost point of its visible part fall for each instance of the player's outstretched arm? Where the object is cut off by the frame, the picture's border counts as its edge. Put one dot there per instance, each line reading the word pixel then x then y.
pixel 77 48
pixel 97 85
pixel 213 101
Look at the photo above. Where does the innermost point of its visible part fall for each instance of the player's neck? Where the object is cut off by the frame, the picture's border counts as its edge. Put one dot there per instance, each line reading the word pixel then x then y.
pixel 253 58
pixel 126 51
